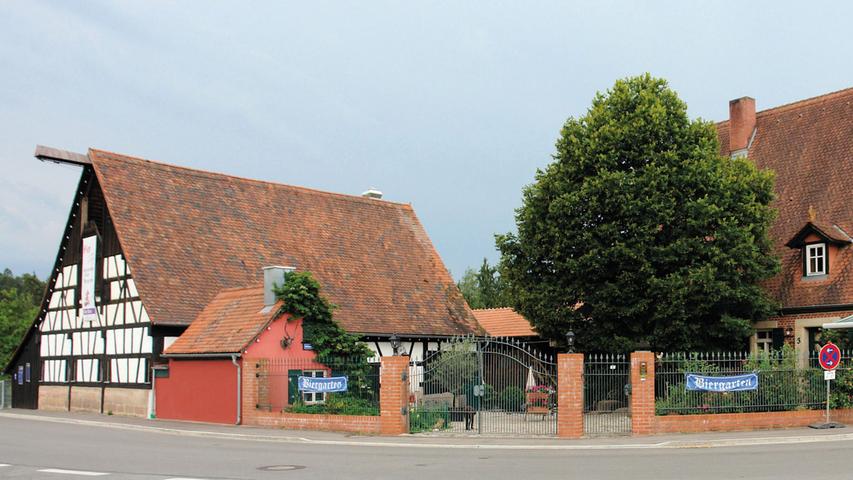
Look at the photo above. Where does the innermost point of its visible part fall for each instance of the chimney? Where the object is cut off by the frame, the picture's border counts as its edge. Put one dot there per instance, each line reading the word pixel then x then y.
pixel 273 275
pixel 372 193
pixel 741 125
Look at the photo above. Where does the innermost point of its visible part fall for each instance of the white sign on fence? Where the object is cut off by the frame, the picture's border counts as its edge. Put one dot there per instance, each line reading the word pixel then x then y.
pixel 829 375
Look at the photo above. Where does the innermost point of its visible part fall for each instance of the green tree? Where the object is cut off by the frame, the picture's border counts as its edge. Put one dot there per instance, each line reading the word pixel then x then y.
pixel 640 234
pixel 470 288
pixel 483 288
pixel 19 303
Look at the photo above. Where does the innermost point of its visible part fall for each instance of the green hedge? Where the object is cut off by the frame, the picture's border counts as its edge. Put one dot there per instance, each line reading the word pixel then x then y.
pixel 337 404
pixel 429 419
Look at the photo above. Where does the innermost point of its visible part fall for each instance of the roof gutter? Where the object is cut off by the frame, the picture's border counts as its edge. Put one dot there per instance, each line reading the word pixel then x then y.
pixel 201 355
pixel 816 308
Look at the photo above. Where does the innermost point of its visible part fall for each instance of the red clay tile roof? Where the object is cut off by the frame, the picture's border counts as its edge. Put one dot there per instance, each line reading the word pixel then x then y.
pixel 809 144
pixel 227 324
pixel 829 232
pixel 189 234
pixel 503 322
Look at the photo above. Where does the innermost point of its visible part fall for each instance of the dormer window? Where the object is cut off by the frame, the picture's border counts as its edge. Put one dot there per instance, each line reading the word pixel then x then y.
pixel 816 242
pixel 815 259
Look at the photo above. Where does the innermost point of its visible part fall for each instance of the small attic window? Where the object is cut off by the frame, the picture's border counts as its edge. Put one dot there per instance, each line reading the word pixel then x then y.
pixel 815 259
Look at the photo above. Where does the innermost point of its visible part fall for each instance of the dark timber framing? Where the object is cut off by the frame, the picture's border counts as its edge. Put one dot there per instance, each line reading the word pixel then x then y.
pixel 116 350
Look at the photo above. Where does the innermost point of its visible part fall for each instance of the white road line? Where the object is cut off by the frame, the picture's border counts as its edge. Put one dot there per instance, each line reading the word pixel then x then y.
pixel 73 472
pixel 4 465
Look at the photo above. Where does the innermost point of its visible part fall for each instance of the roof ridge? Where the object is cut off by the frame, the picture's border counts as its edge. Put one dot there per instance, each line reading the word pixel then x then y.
pixel 208 173
pixel 492 308
pixel 806 101
pixel 799 103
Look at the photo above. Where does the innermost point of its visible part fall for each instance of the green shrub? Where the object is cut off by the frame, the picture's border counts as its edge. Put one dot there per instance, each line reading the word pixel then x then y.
pixel 512 399
pixel 487 402
pixel 429 419
pixel 337 404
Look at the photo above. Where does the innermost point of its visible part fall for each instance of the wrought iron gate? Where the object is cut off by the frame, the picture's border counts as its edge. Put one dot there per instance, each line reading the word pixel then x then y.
pixel 480 385
pixel 606 394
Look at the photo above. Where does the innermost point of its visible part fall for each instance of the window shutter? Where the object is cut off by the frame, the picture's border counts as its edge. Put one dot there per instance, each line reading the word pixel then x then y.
pixel 778 337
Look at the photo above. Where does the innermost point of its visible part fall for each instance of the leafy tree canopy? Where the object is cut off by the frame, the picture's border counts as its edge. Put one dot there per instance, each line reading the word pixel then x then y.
pixel 19 303
pixel 483 288
pixel 639 234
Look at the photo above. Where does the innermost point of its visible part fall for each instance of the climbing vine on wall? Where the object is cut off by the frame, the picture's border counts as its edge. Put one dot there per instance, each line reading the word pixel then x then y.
pixel 302 299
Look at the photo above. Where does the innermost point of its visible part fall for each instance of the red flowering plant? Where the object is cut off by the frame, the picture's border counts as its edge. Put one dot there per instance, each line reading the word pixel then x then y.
pixel 541 389
pixel 540 396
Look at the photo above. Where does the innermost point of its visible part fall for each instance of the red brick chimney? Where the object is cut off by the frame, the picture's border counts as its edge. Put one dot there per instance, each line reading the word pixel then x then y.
pixel 741 123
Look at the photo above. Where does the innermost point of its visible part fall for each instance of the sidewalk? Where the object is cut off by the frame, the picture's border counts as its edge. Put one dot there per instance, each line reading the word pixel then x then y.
pixel 248 433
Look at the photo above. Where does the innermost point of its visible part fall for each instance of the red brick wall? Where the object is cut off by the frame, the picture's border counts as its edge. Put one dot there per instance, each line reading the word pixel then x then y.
pixel 570 395
pixel 732 422
pixel 642 393
pixel 390 421
pixel 790 321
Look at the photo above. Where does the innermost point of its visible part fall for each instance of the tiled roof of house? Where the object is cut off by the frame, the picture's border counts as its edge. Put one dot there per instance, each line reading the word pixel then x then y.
pixel 188 234
pixel 227 324
pixel 504 322
pixel 809 144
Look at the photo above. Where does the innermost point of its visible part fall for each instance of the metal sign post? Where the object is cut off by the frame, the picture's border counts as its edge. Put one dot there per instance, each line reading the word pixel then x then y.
pixel 829 359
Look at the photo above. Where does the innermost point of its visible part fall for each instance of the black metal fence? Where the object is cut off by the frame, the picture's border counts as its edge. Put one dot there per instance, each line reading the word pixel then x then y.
pixel 783 382
pixel 484 385
pixel 279 386
pixel 607 394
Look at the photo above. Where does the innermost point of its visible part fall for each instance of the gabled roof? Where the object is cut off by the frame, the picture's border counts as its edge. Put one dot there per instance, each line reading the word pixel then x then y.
pixel 227 324
pixel 809 145
pixel 504 322
pixel 188 234
pixel 828 232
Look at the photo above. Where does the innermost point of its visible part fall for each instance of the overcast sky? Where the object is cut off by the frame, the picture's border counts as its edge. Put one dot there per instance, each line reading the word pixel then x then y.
pixel 451 106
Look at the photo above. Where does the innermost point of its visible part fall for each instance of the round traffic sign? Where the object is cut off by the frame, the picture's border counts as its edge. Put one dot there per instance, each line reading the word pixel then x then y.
pixel 829 356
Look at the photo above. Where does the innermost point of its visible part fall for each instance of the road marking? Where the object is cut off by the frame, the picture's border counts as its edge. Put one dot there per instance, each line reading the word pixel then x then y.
pixel 73 472
pixel 4 465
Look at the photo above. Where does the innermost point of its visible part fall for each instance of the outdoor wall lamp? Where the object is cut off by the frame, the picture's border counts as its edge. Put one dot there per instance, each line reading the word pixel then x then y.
pixel 395 343
pixel 570 341
pixel 789 332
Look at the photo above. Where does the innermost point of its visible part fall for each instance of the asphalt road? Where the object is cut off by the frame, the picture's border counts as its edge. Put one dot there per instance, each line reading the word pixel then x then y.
pixel 33 449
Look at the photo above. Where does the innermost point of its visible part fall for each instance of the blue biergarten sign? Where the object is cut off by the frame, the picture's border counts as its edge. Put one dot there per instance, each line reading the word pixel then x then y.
pixel 322 384
pixel 736 383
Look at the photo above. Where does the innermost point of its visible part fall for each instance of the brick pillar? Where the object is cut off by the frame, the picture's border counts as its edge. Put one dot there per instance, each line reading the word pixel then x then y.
pixel 249 391
pixel 394 396
pixel 642 393
pixel 570 395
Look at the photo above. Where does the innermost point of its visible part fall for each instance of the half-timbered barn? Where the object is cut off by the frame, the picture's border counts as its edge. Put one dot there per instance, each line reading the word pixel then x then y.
pixel 148 246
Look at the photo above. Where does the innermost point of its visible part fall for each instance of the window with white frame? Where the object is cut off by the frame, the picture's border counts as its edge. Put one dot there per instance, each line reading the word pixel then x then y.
pixel 311 397
pixel 764 340
pixel 816 259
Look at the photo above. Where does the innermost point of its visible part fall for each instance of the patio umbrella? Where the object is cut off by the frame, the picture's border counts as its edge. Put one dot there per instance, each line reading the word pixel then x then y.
pixel 531 381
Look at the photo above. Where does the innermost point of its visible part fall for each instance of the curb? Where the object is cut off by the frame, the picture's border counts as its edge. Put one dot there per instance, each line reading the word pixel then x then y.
pixel 671 444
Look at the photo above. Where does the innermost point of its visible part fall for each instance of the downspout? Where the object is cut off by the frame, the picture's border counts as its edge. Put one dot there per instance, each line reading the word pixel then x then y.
pixel 239 394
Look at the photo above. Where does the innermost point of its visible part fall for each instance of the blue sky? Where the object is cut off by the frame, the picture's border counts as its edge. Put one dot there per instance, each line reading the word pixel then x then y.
pixel 451 106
